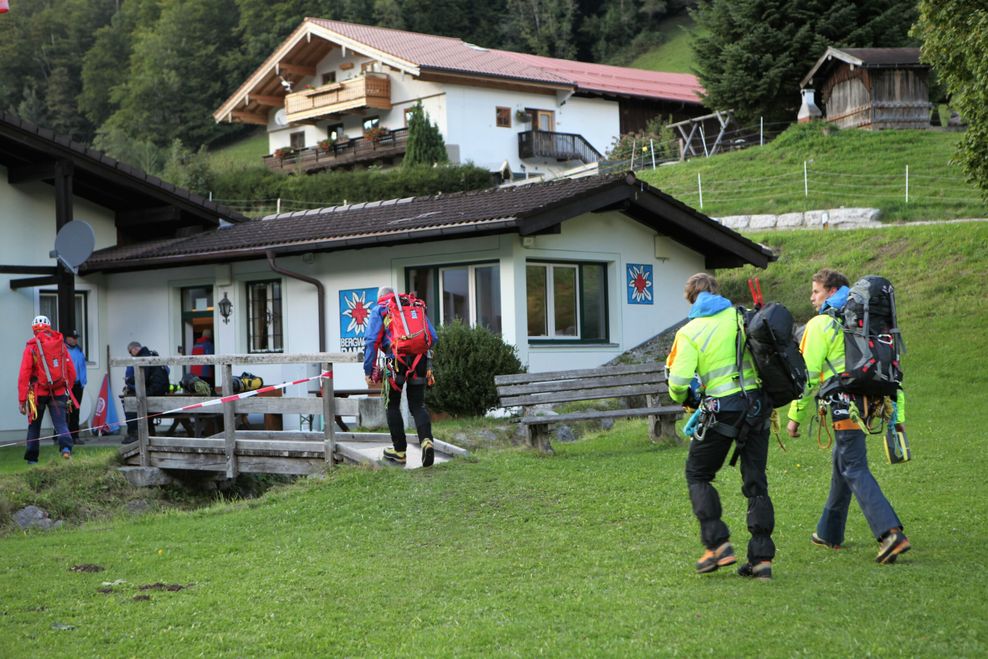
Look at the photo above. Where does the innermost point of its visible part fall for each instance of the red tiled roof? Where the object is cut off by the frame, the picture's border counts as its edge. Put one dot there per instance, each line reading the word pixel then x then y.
pixel 618 80
pixel 454 55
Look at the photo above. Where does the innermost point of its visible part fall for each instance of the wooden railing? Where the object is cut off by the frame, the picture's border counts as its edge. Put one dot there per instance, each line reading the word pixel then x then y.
pixel 352 151
pixel 370 90
pixel 561 146
pixel 234 451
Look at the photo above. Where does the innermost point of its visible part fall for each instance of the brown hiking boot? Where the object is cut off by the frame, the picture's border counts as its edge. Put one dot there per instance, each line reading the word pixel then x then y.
pixel 716 558
pixel 891 546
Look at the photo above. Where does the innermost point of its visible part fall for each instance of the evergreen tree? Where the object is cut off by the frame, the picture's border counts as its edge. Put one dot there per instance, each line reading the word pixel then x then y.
pixel 543 27
pixel 755 52
pixel 425 143
pixel 955 43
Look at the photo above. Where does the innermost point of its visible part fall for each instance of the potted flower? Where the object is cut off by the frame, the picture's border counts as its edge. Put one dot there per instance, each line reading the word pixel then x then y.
pixel 375 134
pixel 325 145
pixel 283 152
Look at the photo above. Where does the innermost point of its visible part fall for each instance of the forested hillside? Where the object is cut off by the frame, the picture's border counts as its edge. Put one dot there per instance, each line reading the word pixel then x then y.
pixel 133 76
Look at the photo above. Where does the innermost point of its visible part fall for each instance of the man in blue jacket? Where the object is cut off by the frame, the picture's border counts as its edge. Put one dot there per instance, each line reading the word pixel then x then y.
pixel 79 361
pixel 401 371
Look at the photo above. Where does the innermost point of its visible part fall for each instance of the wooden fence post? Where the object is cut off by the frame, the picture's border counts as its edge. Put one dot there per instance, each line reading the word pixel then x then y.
pixel 329 414
pixel 229 424
pixel 142 412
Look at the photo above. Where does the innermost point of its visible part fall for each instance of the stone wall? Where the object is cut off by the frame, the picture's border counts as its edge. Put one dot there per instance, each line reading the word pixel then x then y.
pixel 837 218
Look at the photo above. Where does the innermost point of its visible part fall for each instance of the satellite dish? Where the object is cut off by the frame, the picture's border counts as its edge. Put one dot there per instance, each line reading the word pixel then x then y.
pixel 73 244
pixel 281 117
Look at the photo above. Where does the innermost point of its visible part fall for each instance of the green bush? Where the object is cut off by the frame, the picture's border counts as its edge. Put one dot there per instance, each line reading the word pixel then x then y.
pixel 465 363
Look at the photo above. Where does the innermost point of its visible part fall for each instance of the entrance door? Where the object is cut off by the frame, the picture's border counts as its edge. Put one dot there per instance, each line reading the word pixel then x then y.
pixel 197 319
pixel 545 120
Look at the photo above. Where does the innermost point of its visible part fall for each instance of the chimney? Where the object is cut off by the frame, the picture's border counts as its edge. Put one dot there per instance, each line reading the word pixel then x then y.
pixel 808 111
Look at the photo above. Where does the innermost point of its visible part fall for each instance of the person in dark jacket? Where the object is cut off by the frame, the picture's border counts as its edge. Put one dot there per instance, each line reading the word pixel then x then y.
pixel 155 384
pixel 79 362
pixel 401 374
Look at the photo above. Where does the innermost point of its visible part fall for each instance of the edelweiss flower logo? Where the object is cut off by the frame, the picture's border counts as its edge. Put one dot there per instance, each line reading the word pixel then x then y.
pixel 358 310
pixel 639 284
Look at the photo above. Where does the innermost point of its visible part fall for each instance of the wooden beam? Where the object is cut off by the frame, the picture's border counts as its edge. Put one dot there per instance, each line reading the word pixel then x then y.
pixel 42 171
pixel 269 101
pixel 249 118
pixel 299 69
pixel 33 281
pixel 145 216
pixel 27 270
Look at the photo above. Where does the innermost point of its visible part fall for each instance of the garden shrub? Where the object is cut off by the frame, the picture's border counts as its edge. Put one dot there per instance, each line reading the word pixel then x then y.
pixel 465 362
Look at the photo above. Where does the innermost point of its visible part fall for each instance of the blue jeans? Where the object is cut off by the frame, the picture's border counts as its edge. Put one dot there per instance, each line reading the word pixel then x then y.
pixel 56 405
pixel 850 475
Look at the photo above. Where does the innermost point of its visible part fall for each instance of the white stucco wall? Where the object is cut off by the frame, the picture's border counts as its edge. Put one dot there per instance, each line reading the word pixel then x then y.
pixel 27 215
pixel 617 240
pixel 472 124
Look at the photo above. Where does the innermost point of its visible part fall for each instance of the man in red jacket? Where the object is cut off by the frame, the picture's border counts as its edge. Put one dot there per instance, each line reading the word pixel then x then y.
pixel 45 381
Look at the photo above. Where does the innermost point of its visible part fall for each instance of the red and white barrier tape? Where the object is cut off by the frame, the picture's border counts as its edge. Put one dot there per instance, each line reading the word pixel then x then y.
pixel 209 403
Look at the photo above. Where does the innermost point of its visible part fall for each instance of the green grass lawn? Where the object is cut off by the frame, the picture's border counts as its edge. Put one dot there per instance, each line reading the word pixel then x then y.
pixel 589 552
pixel 850 168
pixel 246 151
pixel 674 54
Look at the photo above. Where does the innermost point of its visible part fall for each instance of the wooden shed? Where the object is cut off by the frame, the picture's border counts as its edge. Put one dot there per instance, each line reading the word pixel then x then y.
pixel 872 88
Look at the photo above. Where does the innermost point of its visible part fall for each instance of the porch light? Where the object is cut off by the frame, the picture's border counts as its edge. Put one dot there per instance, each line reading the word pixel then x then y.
pixel 226 308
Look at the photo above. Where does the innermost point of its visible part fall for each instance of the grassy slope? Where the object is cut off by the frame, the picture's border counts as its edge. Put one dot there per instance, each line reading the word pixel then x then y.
pixel 674 54
pixel 588 552
pixel 243 152
pixel 845 169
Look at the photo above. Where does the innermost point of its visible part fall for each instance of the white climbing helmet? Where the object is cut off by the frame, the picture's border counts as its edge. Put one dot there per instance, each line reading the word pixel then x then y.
pixel 40 322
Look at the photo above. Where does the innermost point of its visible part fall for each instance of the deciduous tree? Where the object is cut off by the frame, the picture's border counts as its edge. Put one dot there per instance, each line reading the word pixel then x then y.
pixel 955 43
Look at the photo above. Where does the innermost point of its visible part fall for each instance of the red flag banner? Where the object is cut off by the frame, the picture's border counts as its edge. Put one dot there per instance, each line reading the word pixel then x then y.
pixel 98 423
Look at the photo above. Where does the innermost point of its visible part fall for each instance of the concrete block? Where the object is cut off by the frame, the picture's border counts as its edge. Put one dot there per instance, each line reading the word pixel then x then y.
pixel 736 222
pixel 373 414
pixel 759 222
pixel 145 476
pixel 789 221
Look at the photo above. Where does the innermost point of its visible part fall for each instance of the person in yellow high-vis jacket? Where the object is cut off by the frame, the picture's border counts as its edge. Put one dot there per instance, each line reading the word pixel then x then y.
pixel 734 412
pixel 822 346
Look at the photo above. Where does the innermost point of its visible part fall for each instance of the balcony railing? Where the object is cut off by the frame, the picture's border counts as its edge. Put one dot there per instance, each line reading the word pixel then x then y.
pixel 561 146
pixel 353 151
pixel 370 90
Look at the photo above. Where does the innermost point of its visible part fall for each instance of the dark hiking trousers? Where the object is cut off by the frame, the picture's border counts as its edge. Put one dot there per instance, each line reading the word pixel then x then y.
pixel 705 459
pixel 415 388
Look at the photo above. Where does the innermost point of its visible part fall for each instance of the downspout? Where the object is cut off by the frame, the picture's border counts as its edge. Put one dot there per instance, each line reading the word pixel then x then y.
pixel 320 294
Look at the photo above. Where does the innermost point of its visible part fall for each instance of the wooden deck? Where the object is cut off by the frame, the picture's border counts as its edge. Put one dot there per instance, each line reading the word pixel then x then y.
pixel 234 451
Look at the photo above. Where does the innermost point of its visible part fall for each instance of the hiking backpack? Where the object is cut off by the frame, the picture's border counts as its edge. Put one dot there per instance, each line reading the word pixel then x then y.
pixel 246 382
pixel 872 341
pixel 407 325
pixel 52 355
pixel 770 337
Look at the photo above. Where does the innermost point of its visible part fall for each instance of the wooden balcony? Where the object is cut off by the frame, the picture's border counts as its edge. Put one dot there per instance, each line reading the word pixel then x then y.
pixel 354 151
pixel 560 146
pixel 370 90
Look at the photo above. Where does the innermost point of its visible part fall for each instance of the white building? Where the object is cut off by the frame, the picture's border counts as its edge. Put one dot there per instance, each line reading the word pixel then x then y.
pixel 331 83
pixel 572 272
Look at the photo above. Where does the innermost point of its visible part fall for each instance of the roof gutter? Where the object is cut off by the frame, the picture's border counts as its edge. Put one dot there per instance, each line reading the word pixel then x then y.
pixel 320 294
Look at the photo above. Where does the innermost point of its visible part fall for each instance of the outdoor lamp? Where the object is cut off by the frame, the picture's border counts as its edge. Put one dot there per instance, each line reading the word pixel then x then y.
pixel 226 308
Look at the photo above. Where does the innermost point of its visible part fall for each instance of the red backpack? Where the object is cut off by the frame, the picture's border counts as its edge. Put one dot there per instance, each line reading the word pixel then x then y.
pixel 407 325
pixel 51 354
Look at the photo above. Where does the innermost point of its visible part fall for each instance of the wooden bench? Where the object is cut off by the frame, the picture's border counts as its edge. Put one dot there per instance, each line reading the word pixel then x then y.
pixel 624 381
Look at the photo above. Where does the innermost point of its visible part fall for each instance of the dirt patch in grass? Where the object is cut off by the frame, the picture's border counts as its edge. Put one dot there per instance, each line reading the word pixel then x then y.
pixel 86 567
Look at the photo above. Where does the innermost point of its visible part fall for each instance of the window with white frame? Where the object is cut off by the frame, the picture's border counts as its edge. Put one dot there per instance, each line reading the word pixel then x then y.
pixel 48 306
pixel 567 301
pixel 264 318
pixel 469 292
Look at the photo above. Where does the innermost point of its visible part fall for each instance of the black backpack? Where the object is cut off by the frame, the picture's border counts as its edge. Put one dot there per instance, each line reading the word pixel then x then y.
pixel 872 341
pixel 770 336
